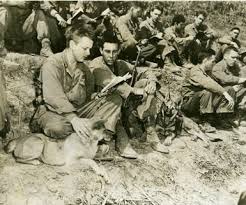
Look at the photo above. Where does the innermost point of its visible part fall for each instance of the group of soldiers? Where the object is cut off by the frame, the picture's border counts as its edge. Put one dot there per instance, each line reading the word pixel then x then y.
pixel 87 54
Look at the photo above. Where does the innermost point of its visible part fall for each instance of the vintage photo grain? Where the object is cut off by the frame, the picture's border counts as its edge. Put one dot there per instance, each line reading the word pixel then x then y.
pixel 122 102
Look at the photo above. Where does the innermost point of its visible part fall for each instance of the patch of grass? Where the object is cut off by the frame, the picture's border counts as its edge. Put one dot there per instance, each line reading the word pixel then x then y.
pixel 227 162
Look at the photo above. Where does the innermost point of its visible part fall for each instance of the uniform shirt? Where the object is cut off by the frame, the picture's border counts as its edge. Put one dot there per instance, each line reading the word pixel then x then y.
pixel 126 28
pixel 64 91
pixel 197 80
pixel 175 39
pixel 192 30
pixel 148 29
pixel 223 75
pixel 226 39
pixel 103 74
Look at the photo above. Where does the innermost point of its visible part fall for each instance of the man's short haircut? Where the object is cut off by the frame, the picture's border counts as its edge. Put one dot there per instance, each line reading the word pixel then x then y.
pixel 229 49
pixel 205 55
pixel 115 6
pixel 77 30
pixel 109 37
pixel 135 4
pixel 157 7
pixel 203 13
pixel 236 28
pixel 178 18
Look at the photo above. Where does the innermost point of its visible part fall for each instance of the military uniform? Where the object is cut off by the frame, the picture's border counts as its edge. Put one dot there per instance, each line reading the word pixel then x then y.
pixel 154 46
pixel 147 108
pixel 104 74
pixel 229 77
pixel 67 94
pixel 204 95
pixel 148 28
pixel 202 33
pixel 228 38
pixel 223 75
pixel 127 30
pixel 35 22
pixel 176 44
pixel 224 42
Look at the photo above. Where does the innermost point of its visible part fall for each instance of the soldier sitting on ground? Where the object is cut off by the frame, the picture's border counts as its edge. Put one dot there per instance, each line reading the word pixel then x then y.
pixel 109 19
pixel 173 53
pixel 151 36
pixel 228 73
pixel 127 27
pixel 105 68
pixel 203 37
pixel 203 96
pixel 34 20
pixel 228 40
pixel 67 85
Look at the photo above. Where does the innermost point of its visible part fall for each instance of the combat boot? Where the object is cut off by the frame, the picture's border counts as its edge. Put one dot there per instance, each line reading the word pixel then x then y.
pixel 122 143
pixel 170 65
pixel 46 50
pixel 153 139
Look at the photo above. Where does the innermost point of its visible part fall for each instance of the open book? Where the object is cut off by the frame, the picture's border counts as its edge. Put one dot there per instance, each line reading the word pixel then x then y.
pixel 115 81
pixel 77 14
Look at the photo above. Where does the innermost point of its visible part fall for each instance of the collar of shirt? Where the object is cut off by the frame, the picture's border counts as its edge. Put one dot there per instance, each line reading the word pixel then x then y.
pixel 194 28
pixel 150 22
pixel 113 68
pixel 174 31
pixel 225 67
pixel 203 70
pixel 68 67
pixel 132 23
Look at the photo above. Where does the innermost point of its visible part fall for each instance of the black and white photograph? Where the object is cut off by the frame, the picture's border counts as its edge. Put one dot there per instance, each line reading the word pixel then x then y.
pixel 122 102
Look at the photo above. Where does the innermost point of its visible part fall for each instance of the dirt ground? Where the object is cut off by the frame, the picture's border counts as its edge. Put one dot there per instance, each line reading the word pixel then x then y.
pixel 190 174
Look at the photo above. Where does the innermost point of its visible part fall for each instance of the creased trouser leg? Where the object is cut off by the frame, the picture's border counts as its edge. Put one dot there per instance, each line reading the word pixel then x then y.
pixel 54 125
pixel 57 126
pixel 107 108
pixel 221 104
pixel 205 102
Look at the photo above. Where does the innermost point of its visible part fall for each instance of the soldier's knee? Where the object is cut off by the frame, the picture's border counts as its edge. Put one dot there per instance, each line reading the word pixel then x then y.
pixel 231 91
pixel 205 94
pixel 58 129
pixel 116 99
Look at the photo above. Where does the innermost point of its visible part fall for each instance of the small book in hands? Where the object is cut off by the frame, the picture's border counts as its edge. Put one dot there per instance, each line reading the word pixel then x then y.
pixel 113 83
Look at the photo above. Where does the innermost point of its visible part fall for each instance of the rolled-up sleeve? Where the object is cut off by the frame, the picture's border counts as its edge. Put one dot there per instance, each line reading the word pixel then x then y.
pixel 189 30
pixel 197 78
pixel 53 92
pixel 124 31
pixel 222 77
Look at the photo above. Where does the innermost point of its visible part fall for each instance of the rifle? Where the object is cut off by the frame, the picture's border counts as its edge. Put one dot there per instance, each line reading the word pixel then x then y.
pixel 134 71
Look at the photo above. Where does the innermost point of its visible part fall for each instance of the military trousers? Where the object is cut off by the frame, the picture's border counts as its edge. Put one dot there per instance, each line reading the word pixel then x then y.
pixel 56 125
pixel 205 102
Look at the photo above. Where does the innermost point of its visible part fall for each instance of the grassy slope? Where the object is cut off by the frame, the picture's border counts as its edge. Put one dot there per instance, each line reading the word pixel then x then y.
pixel 191 174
